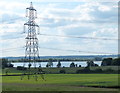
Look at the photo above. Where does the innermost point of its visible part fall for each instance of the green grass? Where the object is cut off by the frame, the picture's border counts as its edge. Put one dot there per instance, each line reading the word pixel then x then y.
pixel 61 82
pixel 57 70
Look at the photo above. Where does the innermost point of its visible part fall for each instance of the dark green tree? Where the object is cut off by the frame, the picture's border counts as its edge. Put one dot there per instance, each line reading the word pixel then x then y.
pixel 90 63
pixel 72 64
pixel 50 63
pixel 4 62
pixel 107 62
pixel 116 62
pixel 29 65
pixel 59 64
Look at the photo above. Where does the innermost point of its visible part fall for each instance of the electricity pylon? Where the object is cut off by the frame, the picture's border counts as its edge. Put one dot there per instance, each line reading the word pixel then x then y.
pixel 31 48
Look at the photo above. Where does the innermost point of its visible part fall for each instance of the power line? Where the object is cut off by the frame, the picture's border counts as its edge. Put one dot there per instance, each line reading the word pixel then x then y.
pixel 83 37
pixel 11 49
pixel 46 18
pixel 77 51
pixel 73 36
pixel 69 50
pixel 67 35
pixel 3 21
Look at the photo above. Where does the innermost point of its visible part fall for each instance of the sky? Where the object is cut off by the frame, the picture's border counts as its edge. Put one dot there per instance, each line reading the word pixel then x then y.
pixel 96 19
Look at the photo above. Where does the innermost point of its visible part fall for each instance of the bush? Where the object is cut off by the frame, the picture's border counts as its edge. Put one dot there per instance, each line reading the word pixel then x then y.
pixel 118 71
pixel 85 70
pixel 109 71
pixel 72 64
pixel 62 71
pixel 78 71
pixel 11 65
pixel 96 65
pixel 99 70
pixel 21 68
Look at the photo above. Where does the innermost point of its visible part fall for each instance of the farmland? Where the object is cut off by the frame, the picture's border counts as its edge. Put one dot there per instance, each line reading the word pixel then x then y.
pixel 61 82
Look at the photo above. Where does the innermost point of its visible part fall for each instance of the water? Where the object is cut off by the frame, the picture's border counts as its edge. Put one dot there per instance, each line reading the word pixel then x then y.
pixel 63 63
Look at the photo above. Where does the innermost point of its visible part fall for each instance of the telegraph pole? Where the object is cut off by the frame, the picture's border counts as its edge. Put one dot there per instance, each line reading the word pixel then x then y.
pixel 32 29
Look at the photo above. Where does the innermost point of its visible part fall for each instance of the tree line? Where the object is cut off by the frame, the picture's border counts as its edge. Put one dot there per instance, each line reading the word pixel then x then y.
pixel 105 62
pixel 111 62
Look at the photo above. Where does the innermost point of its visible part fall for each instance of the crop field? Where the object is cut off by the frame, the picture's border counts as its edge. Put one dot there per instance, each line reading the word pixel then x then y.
pixel 61 82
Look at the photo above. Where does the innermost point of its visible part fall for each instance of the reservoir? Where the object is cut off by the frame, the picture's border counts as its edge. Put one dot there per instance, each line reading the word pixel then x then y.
pixel 63 63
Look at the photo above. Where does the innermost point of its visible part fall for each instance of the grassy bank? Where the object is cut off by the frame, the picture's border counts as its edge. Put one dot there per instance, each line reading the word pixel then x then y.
pixel 61 82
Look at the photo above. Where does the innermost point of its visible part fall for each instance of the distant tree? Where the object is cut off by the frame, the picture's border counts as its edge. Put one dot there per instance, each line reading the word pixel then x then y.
pixel 5 63
pixel 50 63
pixel 59 64
pixel 90 63
pixel 40 66
pixel 72 64
pixel 10 65
pixel 116 62
pixel 106 62
pixel 96 65
pixel 29 65
pixel 47 65
pixel 75 65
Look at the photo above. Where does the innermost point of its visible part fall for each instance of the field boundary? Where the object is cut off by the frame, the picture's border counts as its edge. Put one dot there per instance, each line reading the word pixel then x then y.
pixel 109 87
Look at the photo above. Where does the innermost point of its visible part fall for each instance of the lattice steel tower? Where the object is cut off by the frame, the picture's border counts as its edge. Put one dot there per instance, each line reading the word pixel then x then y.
pixel 31 48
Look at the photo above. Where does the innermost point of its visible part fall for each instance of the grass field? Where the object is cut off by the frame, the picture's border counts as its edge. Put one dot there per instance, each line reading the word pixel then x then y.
pixel 61 82
pixel 57 70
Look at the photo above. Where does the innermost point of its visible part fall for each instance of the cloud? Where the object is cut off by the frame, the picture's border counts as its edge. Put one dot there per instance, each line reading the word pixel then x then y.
pixel 104 8
pixel 93 19
pixel 104 32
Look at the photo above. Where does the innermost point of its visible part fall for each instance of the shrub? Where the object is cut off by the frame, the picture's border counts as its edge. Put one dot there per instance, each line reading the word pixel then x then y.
pixel 11 65
pixel 21 68
pixel 72 64
pixel 85 70
pixel 99 70
pixel 96 65
pixel 62 71
pixel 109 71
pixel 78 71
pixel 118 71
